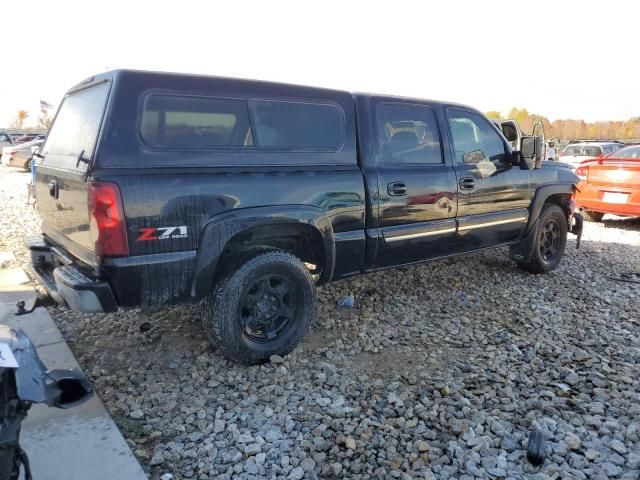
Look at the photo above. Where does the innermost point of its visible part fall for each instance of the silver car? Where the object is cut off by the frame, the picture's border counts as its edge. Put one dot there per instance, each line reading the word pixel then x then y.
pixel 575 153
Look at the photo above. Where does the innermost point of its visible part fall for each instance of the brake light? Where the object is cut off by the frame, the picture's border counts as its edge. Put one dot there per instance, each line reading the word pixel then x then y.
pixel 582 172
pixel 106 219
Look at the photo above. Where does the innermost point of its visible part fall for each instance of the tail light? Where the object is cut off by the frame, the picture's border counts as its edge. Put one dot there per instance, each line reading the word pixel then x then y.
pixel 582 172
pixel 107 222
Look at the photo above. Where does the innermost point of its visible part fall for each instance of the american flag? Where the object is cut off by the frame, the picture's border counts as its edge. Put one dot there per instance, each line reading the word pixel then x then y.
pixel 44 106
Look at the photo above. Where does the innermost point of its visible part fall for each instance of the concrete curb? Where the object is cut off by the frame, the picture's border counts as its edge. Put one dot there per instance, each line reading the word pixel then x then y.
pixel 82 443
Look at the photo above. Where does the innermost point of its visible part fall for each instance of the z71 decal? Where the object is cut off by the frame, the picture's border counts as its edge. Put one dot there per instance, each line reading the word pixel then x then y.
pixel 161 233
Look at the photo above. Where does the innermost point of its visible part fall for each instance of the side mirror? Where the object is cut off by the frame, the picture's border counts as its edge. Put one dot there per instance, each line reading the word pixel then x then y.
pixel 72 385
pixel 531 153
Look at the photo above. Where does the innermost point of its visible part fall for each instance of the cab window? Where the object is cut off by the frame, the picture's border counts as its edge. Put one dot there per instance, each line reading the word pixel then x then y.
pixel 474 140
pixel 297 125
pixel 75 131
pixel 193 121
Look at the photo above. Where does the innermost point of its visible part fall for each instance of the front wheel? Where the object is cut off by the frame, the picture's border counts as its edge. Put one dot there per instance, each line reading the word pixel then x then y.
pixel 263 307
pixel 550 241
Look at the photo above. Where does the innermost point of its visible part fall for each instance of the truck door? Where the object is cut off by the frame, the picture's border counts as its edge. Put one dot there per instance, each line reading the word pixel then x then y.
pixel 538 131
pixel 416 186
pixel 494 195
pixel 511 131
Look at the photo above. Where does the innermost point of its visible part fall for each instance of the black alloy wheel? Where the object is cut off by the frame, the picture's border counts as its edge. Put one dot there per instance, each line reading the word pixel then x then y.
pixel 262 304
pixel 268 306
pixel 550 240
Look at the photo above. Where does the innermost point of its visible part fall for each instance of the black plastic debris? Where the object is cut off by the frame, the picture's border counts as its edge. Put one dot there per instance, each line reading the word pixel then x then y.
pixel 145 327
pixel 536 448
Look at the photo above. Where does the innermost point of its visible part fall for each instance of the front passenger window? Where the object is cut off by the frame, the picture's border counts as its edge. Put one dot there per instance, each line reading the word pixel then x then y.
pixel 474 140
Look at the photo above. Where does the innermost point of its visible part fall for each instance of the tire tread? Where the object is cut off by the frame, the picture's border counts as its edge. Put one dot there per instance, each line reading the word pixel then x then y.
pixel 217 307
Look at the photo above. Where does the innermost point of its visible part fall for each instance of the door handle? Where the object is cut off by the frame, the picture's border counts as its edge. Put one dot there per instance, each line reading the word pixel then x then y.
pixel 397 189
pixel 53 188
pixel 467 183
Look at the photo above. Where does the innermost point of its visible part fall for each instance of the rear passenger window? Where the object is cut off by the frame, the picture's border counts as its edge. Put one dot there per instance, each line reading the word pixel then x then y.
pixel 408 134
pixel 296 125
pixel 184 121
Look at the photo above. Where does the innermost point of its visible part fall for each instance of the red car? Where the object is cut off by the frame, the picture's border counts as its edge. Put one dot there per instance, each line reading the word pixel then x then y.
pixel 610 185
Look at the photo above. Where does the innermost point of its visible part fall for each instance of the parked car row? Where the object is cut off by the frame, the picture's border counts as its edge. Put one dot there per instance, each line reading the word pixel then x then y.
pixel 577 152
pixel 8 139
pixel 20 152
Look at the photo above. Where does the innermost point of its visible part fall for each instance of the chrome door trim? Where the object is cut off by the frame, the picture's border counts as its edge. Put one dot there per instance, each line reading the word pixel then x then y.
pixel 492 223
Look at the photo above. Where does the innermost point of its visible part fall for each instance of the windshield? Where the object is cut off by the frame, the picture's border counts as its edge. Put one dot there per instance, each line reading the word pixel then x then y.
pixel 627 152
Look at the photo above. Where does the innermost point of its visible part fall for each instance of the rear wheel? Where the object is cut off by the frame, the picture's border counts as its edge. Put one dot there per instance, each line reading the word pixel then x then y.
pixel 550 242
pixel 592 216
pixel 261 308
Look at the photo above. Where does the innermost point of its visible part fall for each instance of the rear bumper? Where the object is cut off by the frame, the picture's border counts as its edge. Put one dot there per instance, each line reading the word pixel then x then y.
pixel 591 197
pixel 68 283
pixel 154 280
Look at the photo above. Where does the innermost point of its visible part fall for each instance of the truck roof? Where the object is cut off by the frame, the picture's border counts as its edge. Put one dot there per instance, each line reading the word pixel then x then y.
pixel 197 79
pixel 391 98
pixel 167 78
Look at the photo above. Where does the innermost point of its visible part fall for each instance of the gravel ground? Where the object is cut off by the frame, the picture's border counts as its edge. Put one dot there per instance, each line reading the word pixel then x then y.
pixel 441 371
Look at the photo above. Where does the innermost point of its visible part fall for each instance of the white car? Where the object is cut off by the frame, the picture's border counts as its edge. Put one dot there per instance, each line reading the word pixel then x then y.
pixel 20 155
pixel 575 153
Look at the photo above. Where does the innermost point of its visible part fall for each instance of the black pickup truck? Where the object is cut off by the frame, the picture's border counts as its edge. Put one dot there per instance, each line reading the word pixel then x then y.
pixel 156 189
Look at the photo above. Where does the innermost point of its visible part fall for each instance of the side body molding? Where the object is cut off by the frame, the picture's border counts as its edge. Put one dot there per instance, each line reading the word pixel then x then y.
pixel 222 228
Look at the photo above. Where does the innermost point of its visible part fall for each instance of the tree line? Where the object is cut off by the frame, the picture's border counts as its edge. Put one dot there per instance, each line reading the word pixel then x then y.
pixel 44 121
pixel 572 129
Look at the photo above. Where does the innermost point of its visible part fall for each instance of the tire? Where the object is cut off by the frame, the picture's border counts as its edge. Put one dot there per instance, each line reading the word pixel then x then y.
pixel 550 241
pixel 9 464
pixel 263 307
pixel 591 216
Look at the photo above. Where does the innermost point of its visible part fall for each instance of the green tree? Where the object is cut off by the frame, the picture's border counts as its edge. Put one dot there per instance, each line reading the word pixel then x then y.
pixel 494 114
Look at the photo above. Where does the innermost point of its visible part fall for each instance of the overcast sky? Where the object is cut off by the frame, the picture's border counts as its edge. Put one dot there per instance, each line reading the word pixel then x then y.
pixel 562 59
